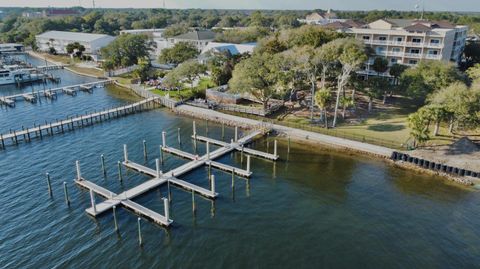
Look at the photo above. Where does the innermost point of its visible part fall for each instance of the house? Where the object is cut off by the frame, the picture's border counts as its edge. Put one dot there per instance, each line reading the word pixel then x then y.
pixel 60 39
pixel 56 12
pixel 198 38
pixel 321 18
pixel 407 42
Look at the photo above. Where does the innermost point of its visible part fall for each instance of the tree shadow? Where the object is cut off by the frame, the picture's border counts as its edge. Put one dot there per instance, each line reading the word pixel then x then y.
pixel 386 127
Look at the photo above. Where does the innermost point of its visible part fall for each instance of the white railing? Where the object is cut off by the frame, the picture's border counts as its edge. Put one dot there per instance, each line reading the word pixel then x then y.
pixel 401 43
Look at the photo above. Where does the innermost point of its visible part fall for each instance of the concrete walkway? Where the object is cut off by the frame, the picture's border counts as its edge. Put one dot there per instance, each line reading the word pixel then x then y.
pixel 296 134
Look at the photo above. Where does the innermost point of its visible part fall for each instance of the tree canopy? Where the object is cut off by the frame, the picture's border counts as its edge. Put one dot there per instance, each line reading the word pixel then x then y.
pixel 179 53
pixel 126 50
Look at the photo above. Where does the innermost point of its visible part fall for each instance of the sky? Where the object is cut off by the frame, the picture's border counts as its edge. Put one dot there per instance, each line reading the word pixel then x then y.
pixel 430 5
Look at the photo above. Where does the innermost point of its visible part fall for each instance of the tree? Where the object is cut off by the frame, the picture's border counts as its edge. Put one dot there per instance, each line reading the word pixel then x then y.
pixel 187 71
pixel 380 65
pixel 352 56
pixel 322 100
pixel 242 35
pixel 427 77
pixel 179 53
pixel 472 53
pixel 308 35
pixel 259 76
pixel 142 70
pixel 75 47
pixel 376 86
pixel 418 123
pixel 126 50
pixel 474 72
pixel 174 30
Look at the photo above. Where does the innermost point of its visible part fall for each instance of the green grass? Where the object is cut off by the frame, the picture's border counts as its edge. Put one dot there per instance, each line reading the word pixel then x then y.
pixel 187 93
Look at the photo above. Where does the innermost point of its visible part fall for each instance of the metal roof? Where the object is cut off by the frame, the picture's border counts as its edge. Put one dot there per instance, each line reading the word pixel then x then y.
pixel 197 35
pixel 72 36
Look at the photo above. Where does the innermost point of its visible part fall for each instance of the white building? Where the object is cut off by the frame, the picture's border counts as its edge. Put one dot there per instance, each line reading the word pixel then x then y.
pixel 59 40
pixel 11 47
pixel 232 49
pixel 321 18
pixel 410 41
pixel 199 38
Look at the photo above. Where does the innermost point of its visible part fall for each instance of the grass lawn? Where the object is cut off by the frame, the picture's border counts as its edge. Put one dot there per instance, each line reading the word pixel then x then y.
pixel 88 71
pixel 187 93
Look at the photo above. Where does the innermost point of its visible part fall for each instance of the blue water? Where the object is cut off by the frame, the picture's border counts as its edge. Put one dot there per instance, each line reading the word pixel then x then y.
pixel 313 208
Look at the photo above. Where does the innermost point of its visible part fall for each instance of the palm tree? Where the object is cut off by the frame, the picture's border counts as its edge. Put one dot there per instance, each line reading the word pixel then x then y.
pixel 322 100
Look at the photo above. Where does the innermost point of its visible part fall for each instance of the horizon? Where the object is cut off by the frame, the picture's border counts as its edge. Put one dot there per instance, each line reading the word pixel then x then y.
pixel 468 6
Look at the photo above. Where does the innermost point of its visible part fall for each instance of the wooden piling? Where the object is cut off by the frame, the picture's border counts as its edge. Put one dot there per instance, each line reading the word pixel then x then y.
pixel 125 153
pixel 164 142
pixel 288 148
pixel 79 172
pixel 236 134
pixel 115 217
pixel 248 163
pixel 92 201
pixel 166 207
pixel 161 154
pixel 193 201
pixel 120 176
pixel 102 159
pixel 275 147
pixel 194 129
pixel 145 149
pixel 49 185
pixel 139 232
pixel 65 190
pixel 223 131
pixel 178 136
pixel 213 183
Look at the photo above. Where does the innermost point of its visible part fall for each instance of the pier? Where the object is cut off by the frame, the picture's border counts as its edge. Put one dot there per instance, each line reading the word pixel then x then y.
pixel 25 135
pixel 171 177
pixel 52 93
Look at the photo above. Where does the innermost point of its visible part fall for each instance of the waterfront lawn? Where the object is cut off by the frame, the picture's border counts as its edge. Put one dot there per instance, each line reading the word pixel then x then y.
pixel 88 71
pixel 187 93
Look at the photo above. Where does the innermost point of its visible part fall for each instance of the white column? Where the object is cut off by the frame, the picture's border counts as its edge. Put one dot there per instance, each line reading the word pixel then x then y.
pixel 79 173
pixel 166 208
pixel 125 152
pixel 157 162
pixel 194 129
pixel 213 184
pixel 163 139
pixel 275 148
pixel 248 163
pixel 92 201
pixel 236 133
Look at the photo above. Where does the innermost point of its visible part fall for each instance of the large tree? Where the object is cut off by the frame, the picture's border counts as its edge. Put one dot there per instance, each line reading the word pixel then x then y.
pixel 188 71
pixel 179 53
pixel 259 76
pixel 322 100
pixel 126 50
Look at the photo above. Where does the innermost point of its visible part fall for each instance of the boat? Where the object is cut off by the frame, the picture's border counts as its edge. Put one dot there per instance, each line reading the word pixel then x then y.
pixel 16 75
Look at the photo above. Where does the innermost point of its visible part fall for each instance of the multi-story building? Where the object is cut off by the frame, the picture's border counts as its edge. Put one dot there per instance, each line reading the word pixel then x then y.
pixel 198 38
pixel 155 35
pixel 319 18
pixel 410 41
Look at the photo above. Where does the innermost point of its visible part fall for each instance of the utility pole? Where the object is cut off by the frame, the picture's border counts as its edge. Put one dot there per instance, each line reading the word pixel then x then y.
pixel 93 4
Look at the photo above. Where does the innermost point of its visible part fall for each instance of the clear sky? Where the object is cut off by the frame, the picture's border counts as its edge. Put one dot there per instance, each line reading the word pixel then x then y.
pixel 436 5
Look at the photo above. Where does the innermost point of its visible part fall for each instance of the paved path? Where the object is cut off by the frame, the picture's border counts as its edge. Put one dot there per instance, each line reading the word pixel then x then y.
pixel 292 132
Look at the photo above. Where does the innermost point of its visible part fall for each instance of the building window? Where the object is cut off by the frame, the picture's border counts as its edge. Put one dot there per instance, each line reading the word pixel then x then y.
pixel 394 60
pixel 433 52
pixel 415 51
pixel 412 62
pixel 382 38
pixel 380 50
pixel 396 50
pixel 434 41
pixel 366 37
pixel 399 39
pixel 416 40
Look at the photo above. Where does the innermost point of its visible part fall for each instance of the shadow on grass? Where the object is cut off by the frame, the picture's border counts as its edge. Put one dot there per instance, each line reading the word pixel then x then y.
pixel 386 127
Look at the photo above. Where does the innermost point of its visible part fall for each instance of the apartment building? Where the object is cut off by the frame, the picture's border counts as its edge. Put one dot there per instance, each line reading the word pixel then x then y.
pixel 60 39
pixel 320 18
pixel 198 38
pixel 410 41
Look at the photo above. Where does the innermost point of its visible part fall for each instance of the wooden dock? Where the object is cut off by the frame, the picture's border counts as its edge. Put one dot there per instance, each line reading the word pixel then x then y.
pixel 16 136
pixel 30 97
pixel 52 93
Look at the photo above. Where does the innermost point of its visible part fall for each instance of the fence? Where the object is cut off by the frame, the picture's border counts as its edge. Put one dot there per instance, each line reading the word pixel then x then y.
pixel 140 91
pixel 120 71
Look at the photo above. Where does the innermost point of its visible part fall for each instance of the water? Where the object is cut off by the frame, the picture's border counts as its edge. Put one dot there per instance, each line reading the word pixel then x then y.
pixel 318 209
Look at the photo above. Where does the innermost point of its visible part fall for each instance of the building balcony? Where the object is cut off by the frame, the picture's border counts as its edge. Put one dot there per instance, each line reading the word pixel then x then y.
pixel 402 44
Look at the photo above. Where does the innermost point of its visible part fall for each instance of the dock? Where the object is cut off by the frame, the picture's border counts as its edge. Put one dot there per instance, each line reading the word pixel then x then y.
pixel 30 97
pixel 52 93
pixel 61 126
pixel 171 177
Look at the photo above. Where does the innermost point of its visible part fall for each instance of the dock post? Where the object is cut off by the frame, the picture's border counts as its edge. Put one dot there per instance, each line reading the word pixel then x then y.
pixel 16 139
pixel 157 163
pixel 92 201
pixel 169 191
pixel 161 154
pixel 236 133
pixel 223 131
pixel 115 217
pixel 28 134
pixel 65 190
pixel 120 177
pixel 163 139
pixel 275 147
pixel 209 169
pixel 166 208
pixel 241 155
pixel 208 150
pixel 206 127
pixel 248 163
pixel 213 184
pixel 3 142
pixel 139 232
pixel 178 136
pixel 193 202
pixel 194 129
pixel 288 148
pixel 125 153
pixel 79 173
pixel 102 158
pixel 233 178
pixel 145 149
pixel 49 185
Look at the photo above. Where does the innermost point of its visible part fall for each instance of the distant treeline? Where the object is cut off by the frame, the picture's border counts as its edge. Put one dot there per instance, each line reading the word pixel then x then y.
pixel 15 28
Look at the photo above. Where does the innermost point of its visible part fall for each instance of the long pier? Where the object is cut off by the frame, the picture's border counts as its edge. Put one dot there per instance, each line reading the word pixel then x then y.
pixel 52 93
pixel 25 135
pixel 160 178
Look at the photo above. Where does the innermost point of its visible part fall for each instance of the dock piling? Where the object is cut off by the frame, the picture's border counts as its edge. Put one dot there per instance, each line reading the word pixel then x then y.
pixel 166 207
pixel 236 133
pixel 194 129
pixel 102 159
pixel 115 217
pixel 178 136
pixel 79 172
pixel 49 185
pixel 157 164
pixel 65 190
pixel 145 149
pixel 248 163
pixel 275 147
pixel 208 150
pixel 213 184
pixel 233 178
pixel 92 201
pixel 193 202
pixel 288 148
pixel 164 139
pixel 223 131
pixel 161 154
pixel 125 153
pixel 120 176
pixel 139 232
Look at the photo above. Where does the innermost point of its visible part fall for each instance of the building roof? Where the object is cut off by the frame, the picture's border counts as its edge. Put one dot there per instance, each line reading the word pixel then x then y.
pixel 417 27
pixel 61 12
pixel 233 49
pixel 197 35
pixel 338 25
pixel 72 36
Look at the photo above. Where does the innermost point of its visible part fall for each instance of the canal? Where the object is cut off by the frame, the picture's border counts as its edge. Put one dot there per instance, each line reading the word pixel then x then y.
pixel 313 208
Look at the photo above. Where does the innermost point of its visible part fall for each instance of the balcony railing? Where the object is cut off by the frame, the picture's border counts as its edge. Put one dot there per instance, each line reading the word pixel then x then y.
pixel 401 43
